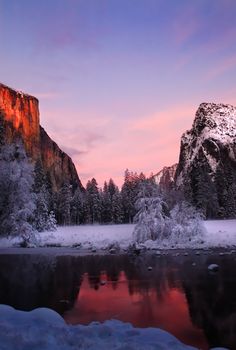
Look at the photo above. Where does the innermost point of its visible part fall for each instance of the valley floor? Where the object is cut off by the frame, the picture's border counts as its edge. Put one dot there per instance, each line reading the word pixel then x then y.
pixel 219 233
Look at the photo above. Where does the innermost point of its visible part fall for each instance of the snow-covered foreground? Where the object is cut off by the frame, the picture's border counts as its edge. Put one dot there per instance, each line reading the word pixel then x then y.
pixel 219 233
pixel 45 329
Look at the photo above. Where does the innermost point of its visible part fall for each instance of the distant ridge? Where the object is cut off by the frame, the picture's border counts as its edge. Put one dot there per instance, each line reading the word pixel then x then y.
pixel 165 177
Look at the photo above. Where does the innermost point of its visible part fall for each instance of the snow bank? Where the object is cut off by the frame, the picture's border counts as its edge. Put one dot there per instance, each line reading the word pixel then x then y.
pixel 89 236
pixel 219 234
pixel 45 329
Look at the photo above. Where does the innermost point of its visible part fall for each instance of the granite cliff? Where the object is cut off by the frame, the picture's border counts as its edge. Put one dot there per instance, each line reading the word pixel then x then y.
pixel 20 117
pixel 165 177
pixel 207 163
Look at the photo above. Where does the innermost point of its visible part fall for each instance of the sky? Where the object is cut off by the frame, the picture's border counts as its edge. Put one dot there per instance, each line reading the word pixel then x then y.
pixel 119 81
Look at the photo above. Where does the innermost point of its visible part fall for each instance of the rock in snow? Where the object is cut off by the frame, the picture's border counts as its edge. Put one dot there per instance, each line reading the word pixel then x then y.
pixel 44 329
pixel 213 267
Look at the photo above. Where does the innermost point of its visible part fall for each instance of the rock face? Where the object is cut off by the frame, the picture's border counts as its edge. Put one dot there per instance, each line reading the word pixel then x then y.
pixel 165 177
pixel 20 116
pixel 207 163
pixel 57 163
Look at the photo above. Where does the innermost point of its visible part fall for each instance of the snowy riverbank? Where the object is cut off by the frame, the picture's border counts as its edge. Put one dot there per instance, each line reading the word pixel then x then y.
pixel 219 233
pixel 45 329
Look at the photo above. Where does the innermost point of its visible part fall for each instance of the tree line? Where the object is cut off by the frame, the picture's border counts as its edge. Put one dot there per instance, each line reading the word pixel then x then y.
pixel 106 205
pixel 28 203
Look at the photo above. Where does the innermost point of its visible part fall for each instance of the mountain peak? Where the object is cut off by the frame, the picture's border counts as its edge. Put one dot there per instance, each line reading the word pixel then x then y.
pixel 18 93
pixel 212 117
pixel 208 156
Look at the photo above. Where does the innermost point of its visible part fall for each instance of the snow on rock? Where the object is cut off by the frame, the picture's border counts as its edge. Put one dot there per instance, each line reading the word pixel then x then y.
pixel 165 177
pixel 214 122
pixel 207 161
pixel 45 329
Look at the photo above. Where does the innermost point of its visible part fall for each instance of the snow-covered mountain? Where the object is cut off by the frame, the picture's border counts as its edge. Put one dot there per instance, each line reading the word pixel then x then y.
pixel 165 177
pixel 207 162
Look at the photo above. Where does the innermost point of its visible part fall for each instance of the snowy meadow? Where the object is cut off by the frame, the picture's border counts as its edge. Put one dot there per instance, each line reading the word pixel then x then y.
pixel 217 233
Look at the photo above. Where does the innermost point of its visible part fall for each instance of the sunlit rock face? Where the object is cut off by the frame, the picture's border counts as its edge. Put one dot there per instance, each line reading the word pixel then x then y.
pixel 20 114
pixel 165 177
pixel 57 163
pixel 207 162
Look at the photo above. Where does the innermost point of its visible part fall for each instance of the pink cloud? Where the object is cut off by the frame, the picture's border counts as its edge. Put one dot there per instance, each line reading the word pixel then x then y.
pixel 103 147
pixel 185 25
pixel 221 67
pixel 146 144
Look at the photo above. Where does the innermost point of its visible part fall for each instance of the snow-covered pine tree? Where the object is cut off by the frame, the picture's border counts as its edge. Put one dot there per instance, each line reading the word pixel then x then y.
pixel 93 202
pixel 64 204
pixel 17 202
pixel 105 205
pixel 44 217
pixel 117 208
pixel 129 192
pixel 78 208
pixel 185 222
pixel 150 219
pixel 156 222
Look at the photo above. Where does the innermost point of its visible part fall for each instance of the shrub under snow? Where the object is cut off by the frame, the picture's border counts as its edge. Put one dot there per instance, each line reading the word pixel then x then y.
pixel 151 219
pixel 155 222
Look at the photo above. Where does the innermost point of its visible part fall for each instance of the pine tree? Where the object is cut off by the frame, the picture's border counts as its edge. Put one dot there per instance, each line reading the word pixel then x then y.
pixel 93 202
pixel 64 204
pixel 78 208
pixel 150 219
pixel 117 208
pixel 204 191
pixel 129 192
pixel 105 205
pixel 44 217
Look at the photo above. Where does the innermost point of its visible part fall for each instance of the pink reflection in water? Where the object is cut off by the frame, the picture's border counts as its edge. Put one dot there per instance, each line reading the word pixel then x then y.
pixel 143 308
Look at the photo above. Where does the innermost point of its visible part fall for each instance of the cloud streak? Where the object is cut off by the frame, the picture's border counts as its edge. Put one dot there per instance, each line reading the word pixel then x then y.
pixel 222 67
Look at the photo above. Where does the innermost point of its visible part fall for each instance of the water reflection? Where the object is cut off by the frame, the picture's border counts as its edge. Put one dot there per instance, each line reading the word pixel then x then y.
pixel 143 307
pixel 178 294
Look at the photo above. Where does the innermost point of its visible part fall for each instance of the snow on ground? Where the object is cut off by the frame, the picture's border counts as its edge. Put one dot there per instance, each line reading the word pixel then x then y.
pixel 89 236
pixel 45 329
pixel 219 233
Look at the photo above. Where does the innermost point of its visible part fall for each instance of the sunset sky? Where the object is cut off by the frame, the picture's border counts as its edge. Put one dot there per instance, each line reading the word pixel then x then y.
pixel 119 81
